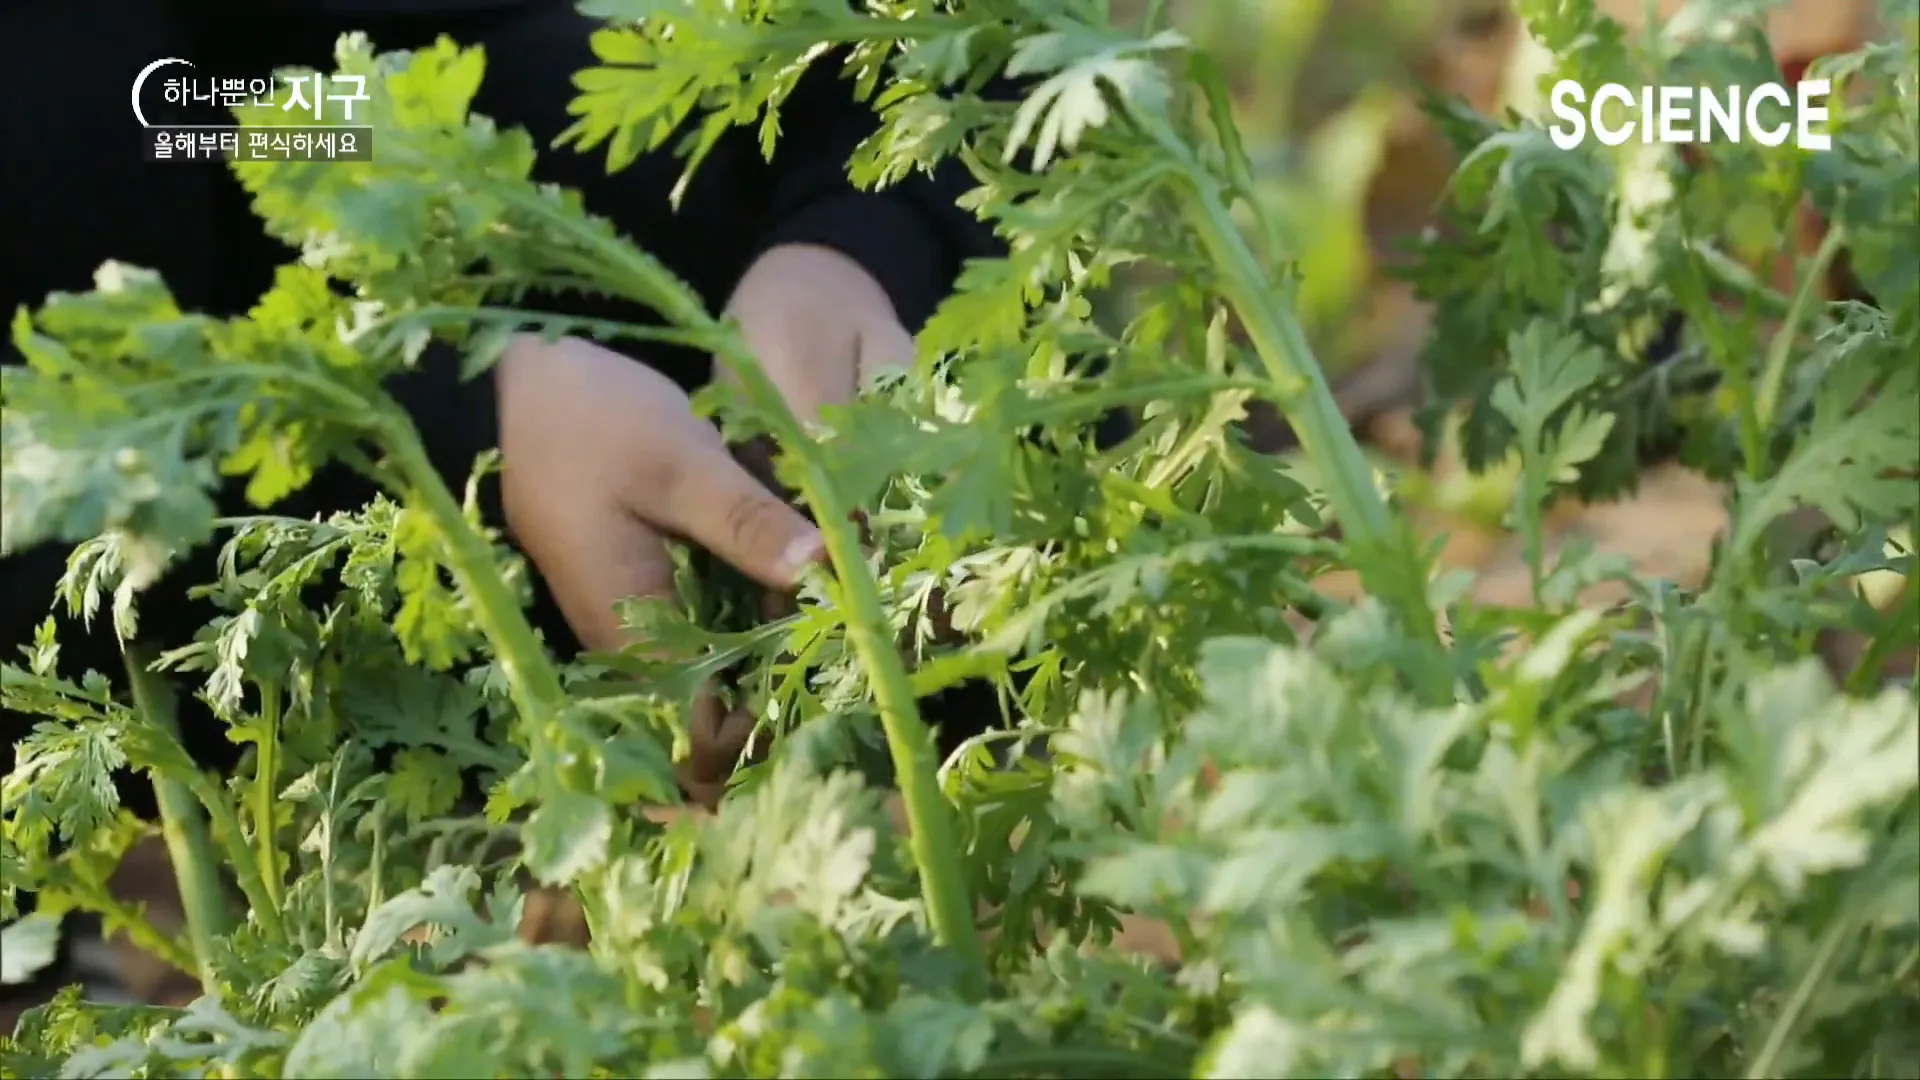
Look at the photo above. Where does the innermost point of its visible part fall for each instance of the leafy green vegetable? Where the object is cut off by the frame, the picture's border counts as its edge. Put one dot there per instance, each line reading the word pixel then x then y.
pixel 1657 840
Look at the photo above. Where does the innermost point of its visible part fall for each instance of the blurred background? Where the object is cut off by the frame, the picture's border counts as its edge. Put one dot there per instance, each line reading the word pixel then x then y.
pixel 1348 162
pixel 1351 167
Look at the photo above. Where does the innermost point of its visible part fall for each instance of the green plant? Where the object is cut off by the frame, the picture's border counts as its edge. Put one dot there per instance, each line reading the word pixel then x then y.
pixel 1383 850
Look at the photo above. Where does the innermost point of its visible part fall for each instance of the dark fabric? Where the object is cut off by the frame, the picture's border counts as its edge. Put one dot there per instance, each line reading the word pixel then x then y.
pixel 73 187
pixel 862 228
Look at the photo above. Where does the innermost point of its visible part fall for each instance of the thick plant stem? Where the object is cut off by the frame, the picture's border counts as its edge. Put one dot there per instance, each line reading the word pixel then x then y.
pixel 531 678
pixel 249 873
pixel 1283 349
pixel 1366 522
pixel 931 839
pixel 266 788
pixel 943 883
pixel 184 828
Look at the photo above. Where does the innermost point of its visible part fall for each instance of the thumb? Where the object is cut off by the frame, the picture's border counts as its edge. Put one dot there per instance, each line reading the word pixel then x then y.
pixel 882 346
pixel 716 503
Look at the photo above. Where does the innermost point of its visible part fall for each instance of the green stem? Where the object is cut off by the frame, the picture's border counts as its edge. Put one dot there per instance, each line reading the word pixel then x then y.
pixel 184 829
pixel 1301 390
pixel 1150 22
pixel 266 769
pixel 1533 492
pixel 931 838
pixel 916 766
pixel 1301 387
pixel 532 681
pixel 377 866
pixel 1766 1063
pixel 1780 349
pixel 232 839
pixel 1697 731
pixel 1730 274
pixel 329 908
pixel 1870 669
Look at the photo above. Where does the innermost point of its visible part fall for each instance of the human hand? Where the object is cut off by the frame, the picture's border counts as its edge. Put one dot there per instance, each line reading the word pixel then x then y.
pixel 602 460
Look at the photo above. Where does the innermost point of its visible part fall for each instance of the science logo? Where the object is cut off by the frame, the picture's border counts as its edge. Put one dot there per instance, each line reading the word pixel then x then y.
pixel 1680 115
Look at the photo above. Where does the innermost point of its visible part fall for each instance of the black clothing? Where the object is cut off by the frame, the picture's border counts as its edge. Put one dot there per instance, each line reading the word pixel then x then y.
pixel 76 191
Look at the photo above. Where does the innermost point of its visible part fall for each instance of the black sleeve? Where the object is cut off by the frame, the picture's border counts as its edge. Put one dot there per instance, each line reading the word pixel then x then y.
pixel 458 419
pixel 912 237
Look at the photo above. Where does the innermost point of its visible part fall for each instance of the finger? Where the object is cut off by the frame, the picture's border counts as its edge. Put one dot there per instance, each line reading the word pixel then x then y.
pixel 597 559
pixel 711 500
pixel 719 737
pixel 592 560
pixel 809 374
pixel 882 348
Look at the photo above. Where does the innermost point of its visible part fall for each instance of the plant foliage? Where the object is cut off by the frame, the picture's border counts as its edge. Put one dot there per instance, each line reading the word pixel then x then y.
pixel 1409 836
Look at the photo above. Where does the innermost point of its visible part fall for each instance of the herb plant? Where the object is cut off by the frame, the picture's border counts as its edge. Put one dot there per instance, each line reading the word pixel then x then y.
pixel 1408 836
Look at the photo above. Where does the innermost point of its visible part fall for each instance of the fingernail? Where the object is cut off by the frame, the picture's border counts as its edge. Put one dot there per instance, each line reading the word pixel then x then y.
pixel 801 552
